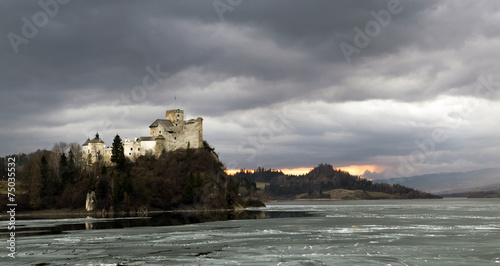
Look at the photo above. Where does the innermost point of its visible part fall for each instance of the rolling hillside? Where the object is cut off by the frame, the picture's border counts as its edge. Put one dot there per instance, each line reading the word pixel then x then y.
pixel 448 183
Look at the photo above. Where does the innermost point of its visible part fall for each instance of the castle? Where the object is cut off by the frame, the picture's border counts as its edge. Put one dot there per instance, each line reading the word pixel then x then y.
pixel 167 134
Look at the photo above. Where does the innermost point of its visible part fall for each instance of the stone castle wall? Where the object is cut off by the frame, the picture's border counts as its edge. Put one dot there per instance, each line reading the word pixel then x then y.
pixel 167 135
pixel 97 152
pixel 191 135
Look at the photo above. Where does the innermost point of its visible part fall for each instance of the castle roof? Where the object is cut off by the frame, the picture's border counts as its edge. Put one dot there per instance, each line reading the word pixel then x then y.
pixel 86 142
pixel 94 140
pixel 146 139
pixel 166 124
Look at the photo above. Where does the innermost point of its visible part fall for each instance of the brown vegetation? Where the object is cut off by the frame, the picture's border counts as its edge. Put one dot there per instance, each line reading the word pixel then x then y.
pixel 182 179
pixel 321 179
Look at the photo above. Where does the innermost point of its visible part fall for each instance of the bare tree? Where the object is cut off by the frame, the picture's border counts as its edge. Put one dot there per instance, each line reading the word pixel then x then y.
pixel 60 148
pixel 77 152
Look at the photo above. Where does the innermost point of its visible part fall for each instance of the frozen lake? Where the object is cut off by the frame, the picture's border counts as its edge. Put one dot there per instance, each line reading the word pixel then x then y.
pixel 381 232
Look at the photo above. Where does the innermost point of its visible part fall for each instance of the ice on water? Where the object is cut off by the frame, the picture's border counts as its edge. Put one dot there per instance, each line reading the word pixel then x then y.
pixel 433 232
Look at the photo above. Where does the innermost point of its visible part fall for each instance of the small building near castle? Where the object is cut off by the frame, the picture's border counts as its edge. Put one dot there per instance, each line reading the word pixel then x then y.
pixel 167 134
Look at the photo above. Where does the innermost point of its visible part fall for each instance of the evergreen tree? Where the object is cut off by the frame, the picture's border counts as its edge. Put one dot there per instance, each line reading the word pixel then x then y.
pixel 63 168
pixel 104 170
pixel 117 154
pixel 189 189
pixel 127 184
pixel 38 177
pixel 71 162
pixel 229 200
pixel 72 167
pixel 91 184
pixel 3 166
pixel 197 180
pixel 117 189
pixel 44 176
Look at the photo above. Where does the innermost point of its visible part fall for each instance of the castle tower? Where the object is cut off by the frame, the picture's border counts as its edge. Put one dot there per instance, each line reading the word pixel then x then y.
pixel 177 118
pixel 159 146
pixel 93 150
pixel 167 134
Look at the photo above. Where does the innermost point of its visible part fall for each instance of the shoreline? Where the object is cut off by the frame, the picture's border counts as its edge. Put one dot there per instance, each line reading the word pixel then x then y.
pixel 82 213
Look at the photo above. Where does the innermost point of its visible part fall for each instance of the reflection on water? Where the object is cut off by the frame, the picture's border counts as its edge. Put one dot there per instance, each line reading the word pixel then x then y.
pixel 89 225
pixel 32 226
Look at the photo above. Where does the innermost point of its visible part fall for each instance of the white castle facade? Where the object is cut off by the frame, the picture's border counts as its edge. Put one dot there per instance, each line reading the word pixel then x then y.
pixel 167 134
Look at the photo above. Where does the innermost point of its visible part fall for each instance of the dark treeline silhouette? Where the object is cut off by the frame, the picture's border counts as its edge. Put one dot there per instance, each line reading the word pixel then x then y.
pixel 188 178
pixel 49 179
pixel 321 179
pixel 258 175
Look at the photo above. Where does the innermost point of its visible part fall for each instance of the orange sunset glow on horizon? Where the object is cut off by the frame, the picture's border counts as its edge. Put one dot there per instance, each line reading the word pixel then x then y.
pixel 352 169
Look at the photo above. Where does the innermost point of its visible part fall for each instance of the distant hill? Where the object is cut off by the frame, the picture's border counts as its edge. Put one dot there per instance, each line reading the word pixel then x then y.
pixel 450 183
pixel 323 182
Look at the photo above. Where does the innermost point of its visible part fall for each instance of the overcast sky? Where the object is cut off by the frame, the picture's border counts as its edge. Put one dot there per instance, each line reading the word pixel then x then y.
pixel 397 88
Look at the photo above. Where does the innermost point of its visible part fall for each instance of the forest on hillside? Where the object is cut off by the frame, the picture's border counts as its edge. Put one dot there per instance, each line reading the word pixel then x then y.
pixel 188 178
pixel 319 180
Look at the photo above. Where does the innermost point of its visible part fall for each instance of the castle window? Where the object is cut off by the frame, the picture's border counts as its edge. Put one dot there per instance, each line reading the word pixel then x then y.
pixel 129 153
pixel 138 149
pixel 131 149
pixel 160 131
pixel 175 138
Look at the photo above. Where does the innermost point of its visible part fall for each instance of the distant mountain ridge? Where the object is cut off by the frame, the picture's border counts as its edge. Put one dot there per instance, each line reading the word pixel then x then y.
pixel 448 183
pixel 323 182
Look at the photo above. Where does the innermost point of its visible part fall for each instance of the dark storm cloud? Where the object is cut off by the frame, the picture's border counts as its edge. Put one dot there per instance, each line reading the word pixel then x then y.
pixel 109 44
pixel 80 71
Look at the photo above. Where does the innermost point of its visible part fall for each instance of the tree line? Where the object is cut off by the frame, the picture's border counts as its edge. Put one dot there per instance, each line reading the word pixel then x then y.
pixel 60 178
pixel 322 178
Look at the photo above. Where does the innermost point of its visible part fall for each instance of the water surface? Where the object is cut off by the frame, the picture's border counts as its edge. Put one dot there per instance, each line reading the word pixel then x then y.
pixel 382 232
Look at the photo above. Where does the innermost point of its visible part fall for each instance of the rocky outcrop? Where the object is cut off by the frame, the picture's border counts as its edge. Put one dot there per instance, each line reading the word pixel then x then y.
pixel 91 201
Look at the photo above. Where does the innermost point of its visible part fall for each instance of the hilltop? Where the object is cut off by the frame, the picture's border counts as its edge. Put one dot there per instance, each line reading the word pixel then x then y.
pixel 180 179
pixel 452 183
pixel 322 182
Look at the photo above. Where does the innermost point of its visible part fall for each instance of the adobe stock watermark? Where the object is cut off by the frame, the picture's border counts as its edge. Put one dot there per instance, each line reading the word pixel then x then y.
pixel 11 205
pixel 426 148
pixel 223 6
pixel 31 27
pixel 138 94
pixel 372 29
pixel 255 144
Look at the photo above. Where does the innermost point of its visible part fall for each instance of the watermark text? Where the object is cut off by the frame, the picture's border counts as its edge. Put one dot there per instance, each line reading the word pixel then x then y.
pixel 11 205
pixel 31 27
